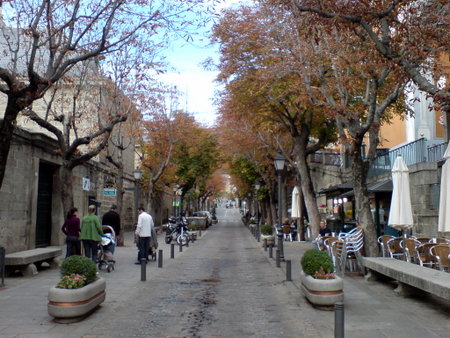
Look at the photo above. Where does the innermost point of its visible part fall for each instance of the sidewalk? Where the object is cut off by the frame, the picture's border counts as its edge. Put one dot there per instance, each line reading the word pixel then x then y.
pixel 23 300
pixel 372 309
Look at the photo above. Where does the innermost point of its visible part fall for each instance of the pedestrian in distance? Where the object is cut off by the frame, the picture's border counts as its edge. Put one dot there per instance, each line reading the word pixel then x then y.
pixel 112 218
pixel 143 234
pixel 91 233
pixel 71 228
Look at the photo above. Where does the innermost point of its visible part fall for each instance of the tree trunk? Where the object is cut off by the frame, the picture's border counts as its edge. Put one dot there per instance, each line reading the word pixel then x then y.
pixel 307 190
pixel 363 213
pixel 7 126
pixel 67 188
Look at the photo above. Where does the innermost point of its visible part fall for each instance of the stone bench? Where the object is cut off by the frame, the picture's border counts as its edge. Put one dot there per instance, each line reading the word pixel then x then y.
pixel 28 260
pixel 410 276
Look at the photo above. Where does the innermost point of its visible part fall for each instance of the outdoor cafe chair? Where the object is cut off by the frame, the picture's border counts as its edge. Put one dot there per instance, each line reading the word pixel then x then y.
pixel 424 256
pixel 327 242
pixel 338 256
pixel 382 240
pixel 440 240
pixel 354 242
pixel 394 248
pixel 409 246
pixel 423 239
pixel 287 232
pixel 441 253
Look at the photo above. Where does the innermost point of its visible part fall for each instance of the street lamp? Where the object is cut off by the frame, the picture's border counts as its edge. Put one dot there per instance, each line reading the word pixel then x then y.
pixel 279 162
pixel 137 176
pixel 257 186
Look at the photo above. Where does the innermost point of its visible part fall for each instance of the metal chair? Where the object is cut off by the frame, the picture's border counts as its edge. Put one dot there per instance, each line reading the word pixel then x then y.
pixel 287 233
pixel 441 252
pixel 327 242
pixel 409 246
pixel 424 256
pixel 423 240
pixel 354 242
pixel 394 248
pixel 382 240
pixel 339 256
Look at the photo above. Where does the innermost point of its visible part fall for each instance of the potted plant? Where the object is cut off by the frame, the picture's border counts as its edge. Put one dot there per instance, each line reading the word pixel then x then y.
pixel 78 292
pixel 320 284
pixel 267 234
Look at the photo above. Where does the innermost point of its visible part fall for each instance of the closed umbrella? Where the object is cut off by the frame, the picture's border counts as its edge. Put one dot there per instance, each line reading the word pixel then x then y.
pixel 444 200
pixel 400 214
pixel 295 210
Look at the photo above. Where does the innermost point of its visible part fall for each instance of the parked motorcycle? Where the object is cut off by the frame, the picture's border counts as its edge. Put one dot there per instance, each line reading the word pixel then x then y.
pixel 177 231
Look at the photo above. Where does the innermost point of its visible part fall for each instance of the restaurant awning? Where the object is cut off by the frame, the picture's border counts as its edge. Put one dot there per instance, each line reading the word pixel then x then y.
pixel 383 186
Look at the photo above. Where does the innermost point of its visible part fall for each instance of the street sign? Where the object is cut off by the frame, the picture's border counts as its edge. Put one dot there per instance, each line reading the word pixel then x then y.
pixel 86 184
pixel 109 191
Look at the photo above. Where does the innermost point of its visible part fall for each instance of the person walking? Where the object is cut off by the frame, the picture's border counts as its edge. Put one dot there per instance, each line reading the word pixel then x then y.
pixel 112 218
pixel 91 233
pixel 71 228
pixel 143 234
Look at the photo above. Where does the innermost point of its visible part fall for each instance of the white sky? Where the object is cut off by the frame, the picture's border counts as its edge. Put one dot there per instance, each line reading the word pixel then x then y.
pixel 196 83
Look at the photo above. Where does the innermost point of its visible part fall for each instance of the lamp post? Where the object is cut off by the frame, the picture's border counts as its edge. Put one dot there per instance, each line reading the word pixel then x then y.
pixel 137 177
pixel 279 162
pixel 257 186
pixel 174 200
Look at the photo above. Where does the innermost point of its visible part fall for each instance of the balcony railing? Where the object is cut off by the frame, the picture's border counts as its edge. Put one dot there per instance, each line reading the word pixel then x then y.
pixel 412 153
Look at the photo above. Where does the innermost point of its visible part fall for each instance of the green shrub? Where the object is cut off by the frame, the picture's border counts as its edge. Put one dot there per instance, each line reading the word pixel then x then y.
pixel 315 260
pixel 79 265
pixel 266 229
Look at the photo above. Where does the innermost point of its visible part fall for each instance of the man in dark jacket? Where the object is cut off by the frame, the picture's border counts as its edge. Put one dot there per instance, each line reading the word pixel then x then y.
pixel 112 218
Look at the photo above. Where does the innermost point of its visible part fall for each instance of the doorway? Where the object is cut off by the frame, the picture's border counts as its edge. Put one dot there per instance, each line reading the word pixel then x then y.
pixel 44 205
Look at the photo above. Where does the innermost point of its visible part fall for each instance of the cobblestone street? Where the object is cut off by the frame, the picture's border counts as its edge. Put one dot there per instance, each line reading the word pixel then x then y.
pixel 223 285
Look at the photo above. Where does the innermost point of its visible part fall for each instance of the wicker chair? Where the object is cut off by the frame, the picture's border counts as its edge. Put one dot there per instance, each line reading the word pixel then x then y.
pixel 382 240
pixel 339 256
pixel 409 246
pixel 423 240
pixel 441 253
pixel 424 256
pixel 394 248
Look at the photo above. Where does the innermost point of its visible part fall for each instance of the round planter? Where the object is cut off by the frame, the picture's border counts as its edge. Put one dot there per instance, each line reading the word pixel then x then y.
pixel 71 305
pixel 322 292
pixel 270 240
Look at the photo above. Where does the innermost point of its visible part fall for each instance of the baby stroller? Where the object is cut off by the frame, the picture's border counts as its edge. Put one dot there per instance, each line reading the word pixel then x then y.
pixel 105 256
pixel 153 245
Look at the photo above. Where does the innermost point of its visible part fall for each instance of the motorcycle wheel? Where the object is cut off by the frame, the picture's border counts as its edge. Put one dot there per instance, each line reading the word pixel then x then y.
pixel 168 239
pixel 183 239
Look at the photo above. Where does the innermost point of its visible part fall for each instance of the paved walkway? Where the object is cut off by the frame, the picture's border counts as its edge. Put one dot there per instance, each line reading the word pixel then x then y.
pixel 371 309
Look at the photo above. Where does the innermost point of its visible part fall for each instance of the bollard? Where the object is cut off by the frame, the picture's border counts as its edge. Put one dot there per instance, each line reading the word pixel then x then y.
pixel 187 242
pixel 277 258
pixel 172 250
pixel 339 320
pixel 200 233
pixel 258 235
pixel 180 247
pixel 265 244
pixel 270 251
pixel 143 269
pixel 280 247
pixel 2 265
pixel 288 270
pixel 160 258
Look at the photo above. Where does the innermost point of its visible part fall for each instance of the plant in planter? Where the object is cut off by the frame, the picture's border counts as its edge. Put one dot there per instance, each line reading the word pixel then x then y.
pixel 267 234
pixel 319 284
pixel 78 292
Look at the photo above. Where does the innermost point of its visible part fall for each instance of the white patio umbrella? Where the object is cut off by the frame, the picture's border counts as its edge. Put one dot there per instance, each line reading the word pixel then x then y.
pixel 400 214
pixel 295 211
pixel 444 200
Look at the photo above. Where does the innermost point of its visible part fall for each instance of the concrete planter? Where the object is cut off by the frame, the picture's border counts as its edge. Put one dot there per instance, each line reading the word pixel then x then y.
pixel 322 292
pixel 71 305
pixel 270 240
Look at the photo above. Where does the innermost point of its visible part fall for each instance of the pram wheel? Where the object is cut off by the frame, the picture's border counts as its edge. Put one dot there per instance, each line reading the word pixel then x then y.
pixel 110 267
